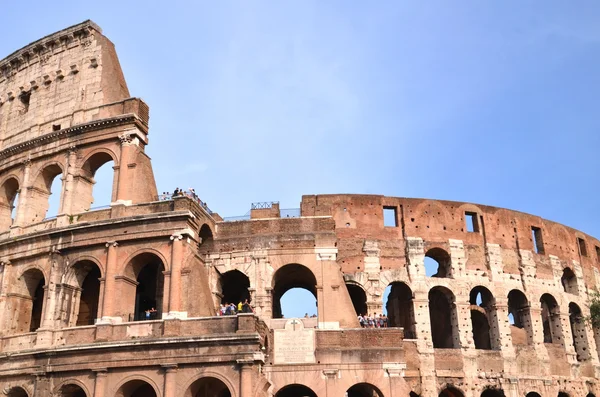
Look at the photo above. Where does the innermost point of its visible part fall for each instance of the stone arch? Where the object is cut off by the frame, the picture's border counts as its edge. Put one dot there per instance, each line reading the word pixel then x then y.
pixel 400 309
pixel 205 234
pixel 137 386
pixel 295 390
pixel 551 319
pixel 492 392
pixel 208 386
pixel 143 287
pixel 84 278
pixel 533 394
pixel 520 327
pixel 30 301
pixel 451 391
pixel 358 296
pixel 17 391
pixel 442 258
pixel 578 333
pixel 235 287
pixel 209 374
pixel 144 250
pixel 9 192
pixel 484 319
pixel 563 394
pixel 72 388
pixel 85 178
pixel 569 281
pixel 41 190
pixel 443 318
pixel 290 276
pixel 363 390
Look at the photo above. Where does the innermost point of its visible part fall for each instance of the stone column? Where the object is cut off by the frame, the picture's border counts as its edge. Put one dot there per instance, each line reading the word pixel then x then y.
pixel 100 383
pixel 23 193
pixel 128 144
pixel 175 282
pixel 170 380
pixel 69 182
pixel 108 310
pixel 246 367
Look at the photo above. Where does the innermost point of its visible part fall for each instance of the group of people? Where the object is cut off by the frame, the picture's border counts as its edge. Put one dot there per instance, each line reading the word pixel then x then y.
pixel 229 309
pixel 191 193
pixel 373 320
pixel 151 314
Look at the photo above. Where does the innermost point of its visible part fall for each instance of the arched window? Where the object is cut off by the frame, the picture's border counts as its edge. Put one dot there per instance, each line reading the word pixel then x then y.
pixel 444 319
pixel 484 319
pixel 86 277
pixel 9 193
pixel 358 297
pixel 451 392
pixel 364 390
pixel 519 317
pixel 208 387
pixel 235 287
pixel 492 393
pixel 147 270
pixel 399 308
pixel 29 317
pixel 569 281
pixel 17 392
pixel 72 390
pixel 136 388
pixel 438 263
pixel 96 183
pixel 301 283
pixel 295 390
pixel 532 394
pixel 551 319
pixel 580 341
pixel 46 195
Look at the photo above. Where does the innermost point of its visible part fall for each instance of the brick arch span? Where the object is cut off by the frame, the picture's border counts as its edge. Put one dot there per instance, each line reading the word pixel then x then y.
pixel 66 389
pixel 17 391
pixel 141 251
pixel 133 381
pixel 83 178
pixel 450 390
pixel 207 373
pixel 9 190
pixel 291 275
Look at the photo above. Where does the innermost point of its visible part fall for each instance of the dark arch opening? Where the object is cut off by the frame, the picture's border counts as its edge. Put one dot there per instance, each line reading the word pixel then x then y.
pixel 235 287
pixel 444 322
pixel 580 341
pixel 8 201
pixel 47 195
pixel 492 393
pixel 290 277
pixel 483 316
pixel 34 286
pixel 413 394
pixel 88 279
pixel 72 390
pixel 358 297
pixel 569 281
pixel 590 395
pixel 451 392
pixel 400 309
pixel 136 388
pixel 550 319
pixel 532 394
pixel 17 392
pixel 363 390
pixel 148 272
pixel 563 394
pixel 519 317
pixel 208 387
pixel 98 185
pixel 295 390
pixel 438 259
pixel 205 234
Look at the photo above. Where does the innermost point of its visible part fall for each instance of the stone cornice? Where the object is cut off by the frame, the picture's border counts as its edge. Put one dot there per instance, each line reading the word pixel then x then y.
pixel 75 130
pixel 35 49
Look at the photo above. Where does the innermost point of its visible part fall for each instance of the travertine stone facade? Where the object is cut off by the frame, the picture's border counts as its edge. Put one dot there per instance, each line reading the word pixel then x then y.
pixel 502 315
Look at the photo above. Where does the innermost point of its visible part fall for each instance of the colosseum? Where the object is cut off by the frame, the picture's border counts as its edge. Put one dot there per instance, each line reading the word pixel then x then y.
pixel 502 315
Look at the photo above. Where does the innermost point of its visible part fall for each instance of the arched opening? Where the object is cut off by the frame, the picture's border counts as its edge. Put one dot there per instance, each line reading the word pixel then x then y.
pixel 400 310
pixel 8 201
pixel 293 277
pixel 563 394
pixel 147 270
pixel 17 392
pixel 519 317
pixel 31 302
pixel 136 388
pixel 451 392
pixel 87 277
pixel 295 390
pixel 413 394
pixel 45 197
pixel 483 319
pixel 569 281
pixel 551 319
pixel 208 387
pixel 71 390
pixel 235 287
pixel 358 298
pixel 443 318
pixel 580 341
pixel 438 263
pixel 205 234
pixel 363 390
pixel 95 185
pixel 532 394
pixel 492 393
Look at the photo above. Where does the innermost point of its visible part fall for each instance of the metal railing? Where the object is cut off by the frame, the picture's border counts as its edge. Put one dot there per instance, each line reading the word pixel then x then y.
pixel 263 205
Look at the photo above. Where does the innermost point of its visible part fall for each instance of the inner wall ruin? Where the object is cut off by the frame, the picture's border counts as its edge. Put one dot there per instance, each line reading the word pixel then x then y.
pixel 502 315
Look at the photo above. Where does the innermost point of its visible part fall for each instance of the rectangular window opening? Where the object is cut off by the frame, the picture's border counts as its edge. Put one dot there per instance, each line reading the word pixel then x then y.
pixel 55 127
pixel 538 242
pixel 582 247
pixel 471 221
pixel 390 216
pixel 597 254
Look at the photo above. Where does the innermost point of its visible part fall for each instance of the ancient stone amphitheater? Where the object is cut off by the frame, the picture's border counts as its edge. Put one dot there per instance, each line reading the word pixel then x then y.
pixel 502 315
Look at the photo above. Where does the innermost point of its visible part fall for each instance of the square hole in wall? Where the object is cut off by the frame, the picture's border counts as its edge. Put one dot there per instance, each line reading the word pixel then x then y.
pixel 390 216
pixel 471 222
pixel 582 247
pixel 538 242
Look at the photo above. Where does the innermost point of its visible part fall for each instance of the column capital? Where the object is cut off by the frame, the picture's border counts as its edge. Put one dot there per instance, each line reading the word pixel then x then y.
pixel 111 243
pixel 177 236
pixel 170 367
pixel 100 372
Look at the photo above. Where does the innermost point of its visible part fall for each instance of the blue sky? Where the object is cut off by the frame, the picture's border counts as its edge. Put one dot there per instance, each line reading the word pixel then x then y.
pixel 487 102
